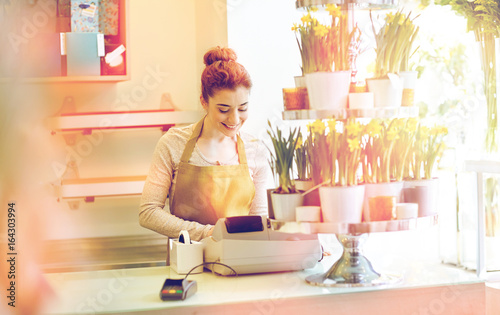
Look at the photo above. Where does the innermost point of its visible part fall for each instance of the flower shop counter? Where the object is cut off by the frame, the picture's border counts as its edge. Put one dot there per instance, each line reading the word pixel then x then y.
pixel 427 288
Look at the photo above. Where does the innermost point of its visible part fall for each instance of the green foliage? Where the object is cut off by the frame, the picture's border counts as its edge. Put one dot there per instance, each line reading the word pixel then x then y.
pixel 301 160
pixel 483 18
pixel 394 43
pixel 325 47
pixel 282 158
pixel 483 15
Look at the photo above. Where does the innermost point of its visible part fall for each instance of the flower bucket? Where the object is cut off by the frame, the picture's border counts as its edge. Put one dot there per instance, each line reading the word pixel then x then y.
pixel 342 204
pixel 328 90
pixel 295 98
pixel 308 214
pixel 410 82
pixel 300 81
pixel 303 185
pixel 284 205
pixel 312 198
pixel 386 92
pixel 392 189
pixel 425 193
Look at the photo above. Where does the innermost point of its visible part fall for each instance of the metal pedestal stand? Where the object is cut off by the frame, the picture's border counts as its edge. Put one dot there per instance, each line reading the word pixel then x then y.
pixel 353 269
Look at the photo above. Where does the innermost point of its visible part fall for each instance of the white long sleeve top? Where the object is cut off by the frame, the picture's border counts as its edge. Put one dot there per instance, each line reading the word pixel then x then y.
pixel 154 212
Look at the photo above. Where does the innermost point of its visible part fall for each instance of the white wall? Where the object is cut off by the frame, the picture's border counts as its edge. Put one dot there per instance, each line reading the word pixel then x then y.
pixel 260 33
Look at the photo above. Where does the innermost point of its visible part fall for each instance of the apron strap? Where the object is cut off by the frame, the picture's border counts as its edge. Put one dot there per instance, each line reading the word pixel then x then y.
pixel 241 150
pixel 188 149
pixel 190 145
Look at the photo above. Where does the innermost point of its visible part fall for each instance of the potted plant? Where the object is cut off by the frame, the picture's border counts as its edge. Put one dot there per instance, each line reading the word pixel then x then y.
pixel 409 76
pixel 378 158
pixel 285 198
pixel 303 182
pixel 405 139
pixel 422 187
pixel 324 50
pixel 394 42
pixel 338 147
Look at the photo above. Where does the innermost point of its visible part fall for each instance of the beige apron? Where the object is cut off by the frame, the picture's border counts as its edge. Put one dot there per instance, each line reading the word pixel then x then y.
pixel 207 193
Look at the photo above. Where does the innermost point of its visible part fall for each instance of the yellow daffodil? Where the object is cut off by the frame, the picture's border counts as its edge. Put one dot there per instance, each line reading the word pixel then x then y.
pixel 333 10
pixel 411 125
pixel 438 130
pixel 389 18
pixel 306 18
pixel 401 20
pixel 318 127
pixel 392 134
pixel 373 128
pixel 332 123
pixel 353 129
pixel 353 144
pixel 424 132
pixel 399 123
pixel 320 30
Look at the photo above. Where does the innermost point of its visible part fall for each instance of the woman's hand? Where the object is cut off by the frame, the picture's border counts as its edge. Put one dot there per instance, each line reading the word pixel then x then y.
pixel 211 231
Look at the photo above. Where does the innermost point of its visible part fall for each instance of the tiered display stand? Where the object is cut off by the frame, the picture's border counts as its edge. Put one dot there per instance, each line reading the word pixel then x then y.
pixel 353 269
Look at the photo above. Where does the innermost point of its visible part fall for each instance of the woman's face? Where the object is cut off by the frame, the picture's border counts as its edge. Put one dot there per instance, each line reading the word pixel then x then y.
pixel 227 110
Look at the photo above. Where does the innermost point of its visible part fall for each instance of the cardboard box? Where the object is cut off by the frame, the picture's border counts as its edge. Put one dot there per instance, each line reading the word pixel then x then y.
pixel 82 54
pixel 109 14
pixel 85 16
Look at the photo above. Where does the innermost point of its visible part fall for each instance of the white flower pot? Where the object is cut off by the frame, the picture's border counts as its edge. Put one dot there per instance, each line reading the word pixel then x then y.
pixel 342 204
pixel 308 214
pixel 381 189
pixel 284 205
pixel 303 185
pixel 409 85
pixel 328 90
pixel 386 92
pixel 300 81
pixel 425 192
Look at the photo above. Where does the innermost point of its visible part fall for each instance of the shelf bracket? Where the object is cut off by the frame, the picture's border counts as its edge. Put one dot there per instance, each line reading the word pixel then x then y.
pixel 166 102
pixel 89 199
pixel 165 128
pixel 68 106
pixel 72 173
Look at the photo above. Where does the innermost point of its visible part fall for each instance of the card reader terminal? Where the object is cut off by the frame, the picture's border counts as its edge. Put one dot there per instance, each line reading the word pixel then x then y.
pixel 177 289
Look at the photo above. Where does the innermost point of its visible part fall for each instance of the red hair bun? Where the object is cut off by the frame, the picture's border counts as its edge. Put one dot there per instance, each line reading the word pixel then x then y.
pixel 222 72
pixel 219 54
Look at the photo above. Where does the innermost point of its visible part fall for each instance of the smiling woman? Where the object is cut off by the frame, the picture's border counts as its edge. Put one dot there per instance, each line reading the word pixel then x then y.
pixel 208 170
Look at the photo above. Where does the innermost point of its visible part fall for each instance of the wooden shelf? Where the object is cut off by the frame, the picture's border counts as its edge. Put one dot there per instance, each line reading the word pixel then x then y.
pixel 355 228
pixel 70 79
pixel 482 166
pixel 343 113
pixel 86 122
pixel 101 187
pixel 358 4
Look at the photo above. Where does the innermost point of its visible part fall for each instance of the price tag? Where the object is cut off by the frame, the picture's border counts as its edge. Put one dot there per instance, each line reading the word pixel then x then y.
pixel 90 10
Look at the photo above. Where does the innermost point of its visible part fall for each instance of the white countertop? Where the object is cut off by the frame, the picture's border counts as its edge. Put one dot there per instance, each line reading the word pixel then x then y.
pixel 137 289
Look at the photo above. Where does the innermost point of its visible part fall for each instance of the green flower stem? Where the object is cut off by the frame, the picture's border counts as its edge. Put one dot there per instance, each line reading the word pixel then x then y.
pixel 488 61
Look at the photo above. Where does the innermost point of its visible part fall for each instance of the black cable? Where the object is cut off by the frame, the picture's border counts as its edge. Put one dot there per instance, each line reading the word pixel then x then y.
pixel 211 263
